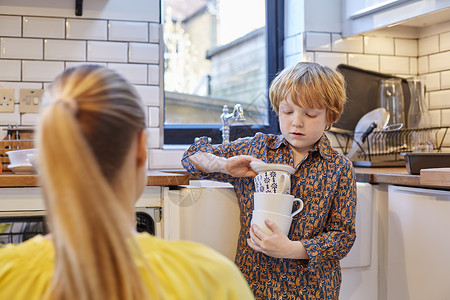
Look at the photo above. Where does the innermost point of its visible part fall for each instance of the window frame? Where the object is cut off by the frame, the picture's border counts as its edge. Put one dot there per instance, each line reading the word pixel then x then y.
pixel 186 133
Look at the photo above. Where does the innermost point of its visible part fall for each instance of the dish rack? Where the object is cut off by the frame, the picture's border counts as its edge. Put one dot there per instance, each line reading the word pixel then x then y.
pixel 16 138
pixel 382 148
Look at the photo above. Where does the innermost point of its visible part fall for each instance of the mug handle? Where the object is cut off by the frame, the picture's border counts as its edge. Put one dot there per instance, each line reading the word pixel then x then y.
pixel 286 182
pixel 299 209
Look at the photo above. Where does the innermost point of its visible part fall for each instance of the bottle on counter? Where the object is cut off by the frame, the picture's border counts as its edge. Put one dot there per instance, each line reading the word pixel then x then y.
pixel 422 140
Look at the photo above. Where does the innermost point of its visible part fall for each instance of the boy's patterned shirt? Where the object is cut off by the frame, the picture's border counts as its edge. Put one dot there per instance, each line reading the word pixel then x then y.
pixel 325 181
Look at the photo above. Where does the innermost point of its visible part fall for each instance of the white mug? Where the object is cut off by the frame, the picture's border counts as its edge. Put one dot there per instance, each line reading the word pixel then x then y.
pixel 273 182
pixel 283 221
pixel 276 203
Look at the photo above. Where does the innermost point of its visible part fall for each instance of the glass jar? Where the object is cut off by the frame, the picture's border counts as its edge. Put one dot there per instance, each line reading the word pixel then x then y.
pixel 391 98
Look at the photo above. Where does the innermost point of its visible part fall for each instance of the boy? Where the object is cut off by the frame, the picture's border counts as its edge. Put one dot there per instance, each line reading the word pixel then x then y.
pixel 308 98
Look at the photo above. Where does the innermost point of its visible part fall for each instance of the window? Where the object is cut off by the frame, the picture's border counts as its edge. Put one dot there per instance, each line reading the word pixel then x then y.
pixel 219 53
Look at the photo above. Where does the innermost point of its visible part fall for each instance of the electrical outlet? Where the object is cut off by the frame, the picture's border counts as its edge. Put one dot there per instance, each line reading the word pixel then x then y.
pixel 6 100
pixel 30 100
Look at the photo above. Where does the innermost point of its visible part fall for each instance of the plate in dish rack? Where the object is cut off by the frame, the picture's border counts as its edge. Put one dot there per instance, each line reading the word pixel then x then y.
pixel 264 167
pixel 22 169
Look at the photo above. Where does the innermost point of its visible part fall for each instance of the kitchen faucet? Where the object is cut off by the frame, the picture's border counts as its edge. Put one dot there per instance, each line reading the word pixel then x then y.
pixel 237 115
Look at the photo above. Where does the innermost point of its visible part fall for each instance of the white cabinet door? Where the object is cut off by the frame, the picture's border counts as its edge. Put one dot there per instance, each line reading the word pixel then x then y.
pixel 362 16
pixel 418 264
pixel 359 267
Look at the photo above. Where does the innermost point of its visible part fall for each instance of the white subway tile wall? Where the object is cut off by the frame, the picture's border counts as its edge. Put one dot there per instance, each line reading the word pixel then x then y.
pixel 406 47
pixel 446 117
pixel 10 26
pixel 153 74
pixel 10 70
pixel 134 73
pixel 43 71
pixel 11 118
pixel 352 44
pixel 107 51
pixel 432 81
pixel 29 119
pixel 153 117
pixel 149 94
pixel 33 50
pixel 128 31
pixel 153 138
pixel 144 53
pixel 86 29
pixel 64 50
pixel 435 116
pixel 160 159
pixel 439 99
pixel 439 62
pixel 331 59
pixel 444 41
pixel 413 65
pixel 394 64
pixel 423 65
pixel 429 45
pixel 445 80
pixel 378 45
pixel 154 32
pixel 43 27
pixel 21 48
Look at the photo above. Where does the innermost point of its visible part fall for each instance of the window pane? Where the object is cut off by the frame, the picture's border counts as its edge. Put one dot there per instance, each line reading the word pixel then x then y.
pixel 214 55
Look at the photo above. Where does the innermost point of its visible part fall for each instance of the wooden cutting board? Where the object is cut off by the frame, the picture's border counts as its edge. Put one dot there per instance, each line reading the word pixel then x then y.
pixel 435 177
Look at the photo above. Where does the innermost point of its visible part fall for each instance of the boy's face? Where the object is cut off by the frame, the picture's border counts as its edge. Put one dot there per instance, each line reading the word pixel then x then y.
pixel 301 127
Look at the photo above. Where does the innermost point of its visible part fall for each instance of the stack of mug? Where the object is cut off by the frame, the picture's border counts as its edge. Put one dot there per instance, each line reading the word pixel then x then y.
pixel 273 201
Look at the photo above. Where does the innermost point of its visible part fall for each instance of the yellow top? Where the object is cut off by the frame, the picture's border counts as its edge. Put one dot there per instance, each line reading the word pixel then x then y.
pixel 184 270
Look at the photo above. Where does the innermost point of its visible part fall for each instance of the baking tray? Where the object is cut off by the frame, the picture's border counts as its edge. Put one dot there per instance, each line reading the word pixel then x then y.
pixel 415 161
pixel 362 87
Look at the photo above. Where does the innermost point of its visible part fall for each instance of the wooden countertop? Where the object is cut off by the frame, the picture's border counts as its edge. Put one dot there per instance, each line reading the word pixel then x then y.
pixel 155 178
pixel 397 176
pixel 388 175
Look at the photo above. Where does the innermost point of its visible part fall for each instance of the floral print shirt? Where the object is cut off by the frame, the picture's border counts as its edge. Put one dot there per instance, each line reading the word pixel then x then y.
pixel 325 181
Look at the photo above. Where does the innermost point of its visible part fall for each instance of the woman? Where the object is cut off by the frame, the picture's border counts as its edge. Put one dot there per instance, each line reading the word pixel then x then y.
pixel 92 145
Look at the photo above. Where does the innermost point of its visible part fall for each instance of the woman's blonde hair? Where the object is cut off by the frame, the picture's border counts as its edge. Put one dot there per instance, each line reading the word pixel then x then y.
pixel 91 118
pixel 310 85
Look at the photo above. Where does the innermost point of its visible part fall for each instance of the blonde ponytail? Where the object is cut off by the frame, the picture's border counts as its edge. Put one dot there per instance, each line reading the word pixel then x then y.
pixel 78 146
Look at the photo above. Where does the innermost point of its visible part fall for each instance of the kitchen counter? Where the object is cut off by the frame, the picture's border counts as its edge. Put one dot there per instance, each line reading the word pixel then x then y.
pixel 390 175
pixel 155 178
pixel 396 176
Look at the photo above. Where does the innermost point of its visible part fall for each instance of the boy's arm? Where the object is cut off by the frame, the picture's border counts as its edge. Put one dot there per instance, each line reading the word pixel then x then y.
pixel 237 166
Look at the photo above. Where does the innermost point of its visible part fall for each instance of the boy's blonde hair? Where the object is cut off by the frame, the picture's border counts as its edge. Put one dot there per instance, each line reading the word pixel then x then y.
pixel 311 85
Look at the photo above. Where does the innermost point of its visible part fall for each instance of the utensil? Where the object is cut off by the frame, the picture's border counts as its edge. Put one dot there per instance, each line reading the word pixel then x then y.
pixel 380 117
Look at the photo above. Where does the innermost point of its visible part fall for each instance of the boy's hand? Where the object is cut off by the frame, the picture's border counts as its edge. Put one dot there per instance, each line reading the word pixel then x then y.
pixel 239 166
pixel 277 244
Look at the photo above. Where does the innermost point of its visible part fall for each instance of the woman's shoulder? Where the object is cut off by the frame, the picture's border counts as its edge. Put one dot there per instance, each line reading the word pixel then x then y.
pixel 26 269
pixel 37 246
pixel 192 266
pixel 187 251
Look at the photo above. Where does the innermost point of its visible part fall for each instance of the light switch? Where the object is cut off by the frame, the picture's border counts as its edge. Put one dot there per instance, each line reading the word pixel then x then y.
pixel 30 100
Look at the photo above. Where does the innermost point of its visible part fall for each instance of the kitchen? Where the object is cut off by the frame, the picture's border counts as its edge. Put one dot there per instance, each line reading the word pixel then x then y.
pixel 317 35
